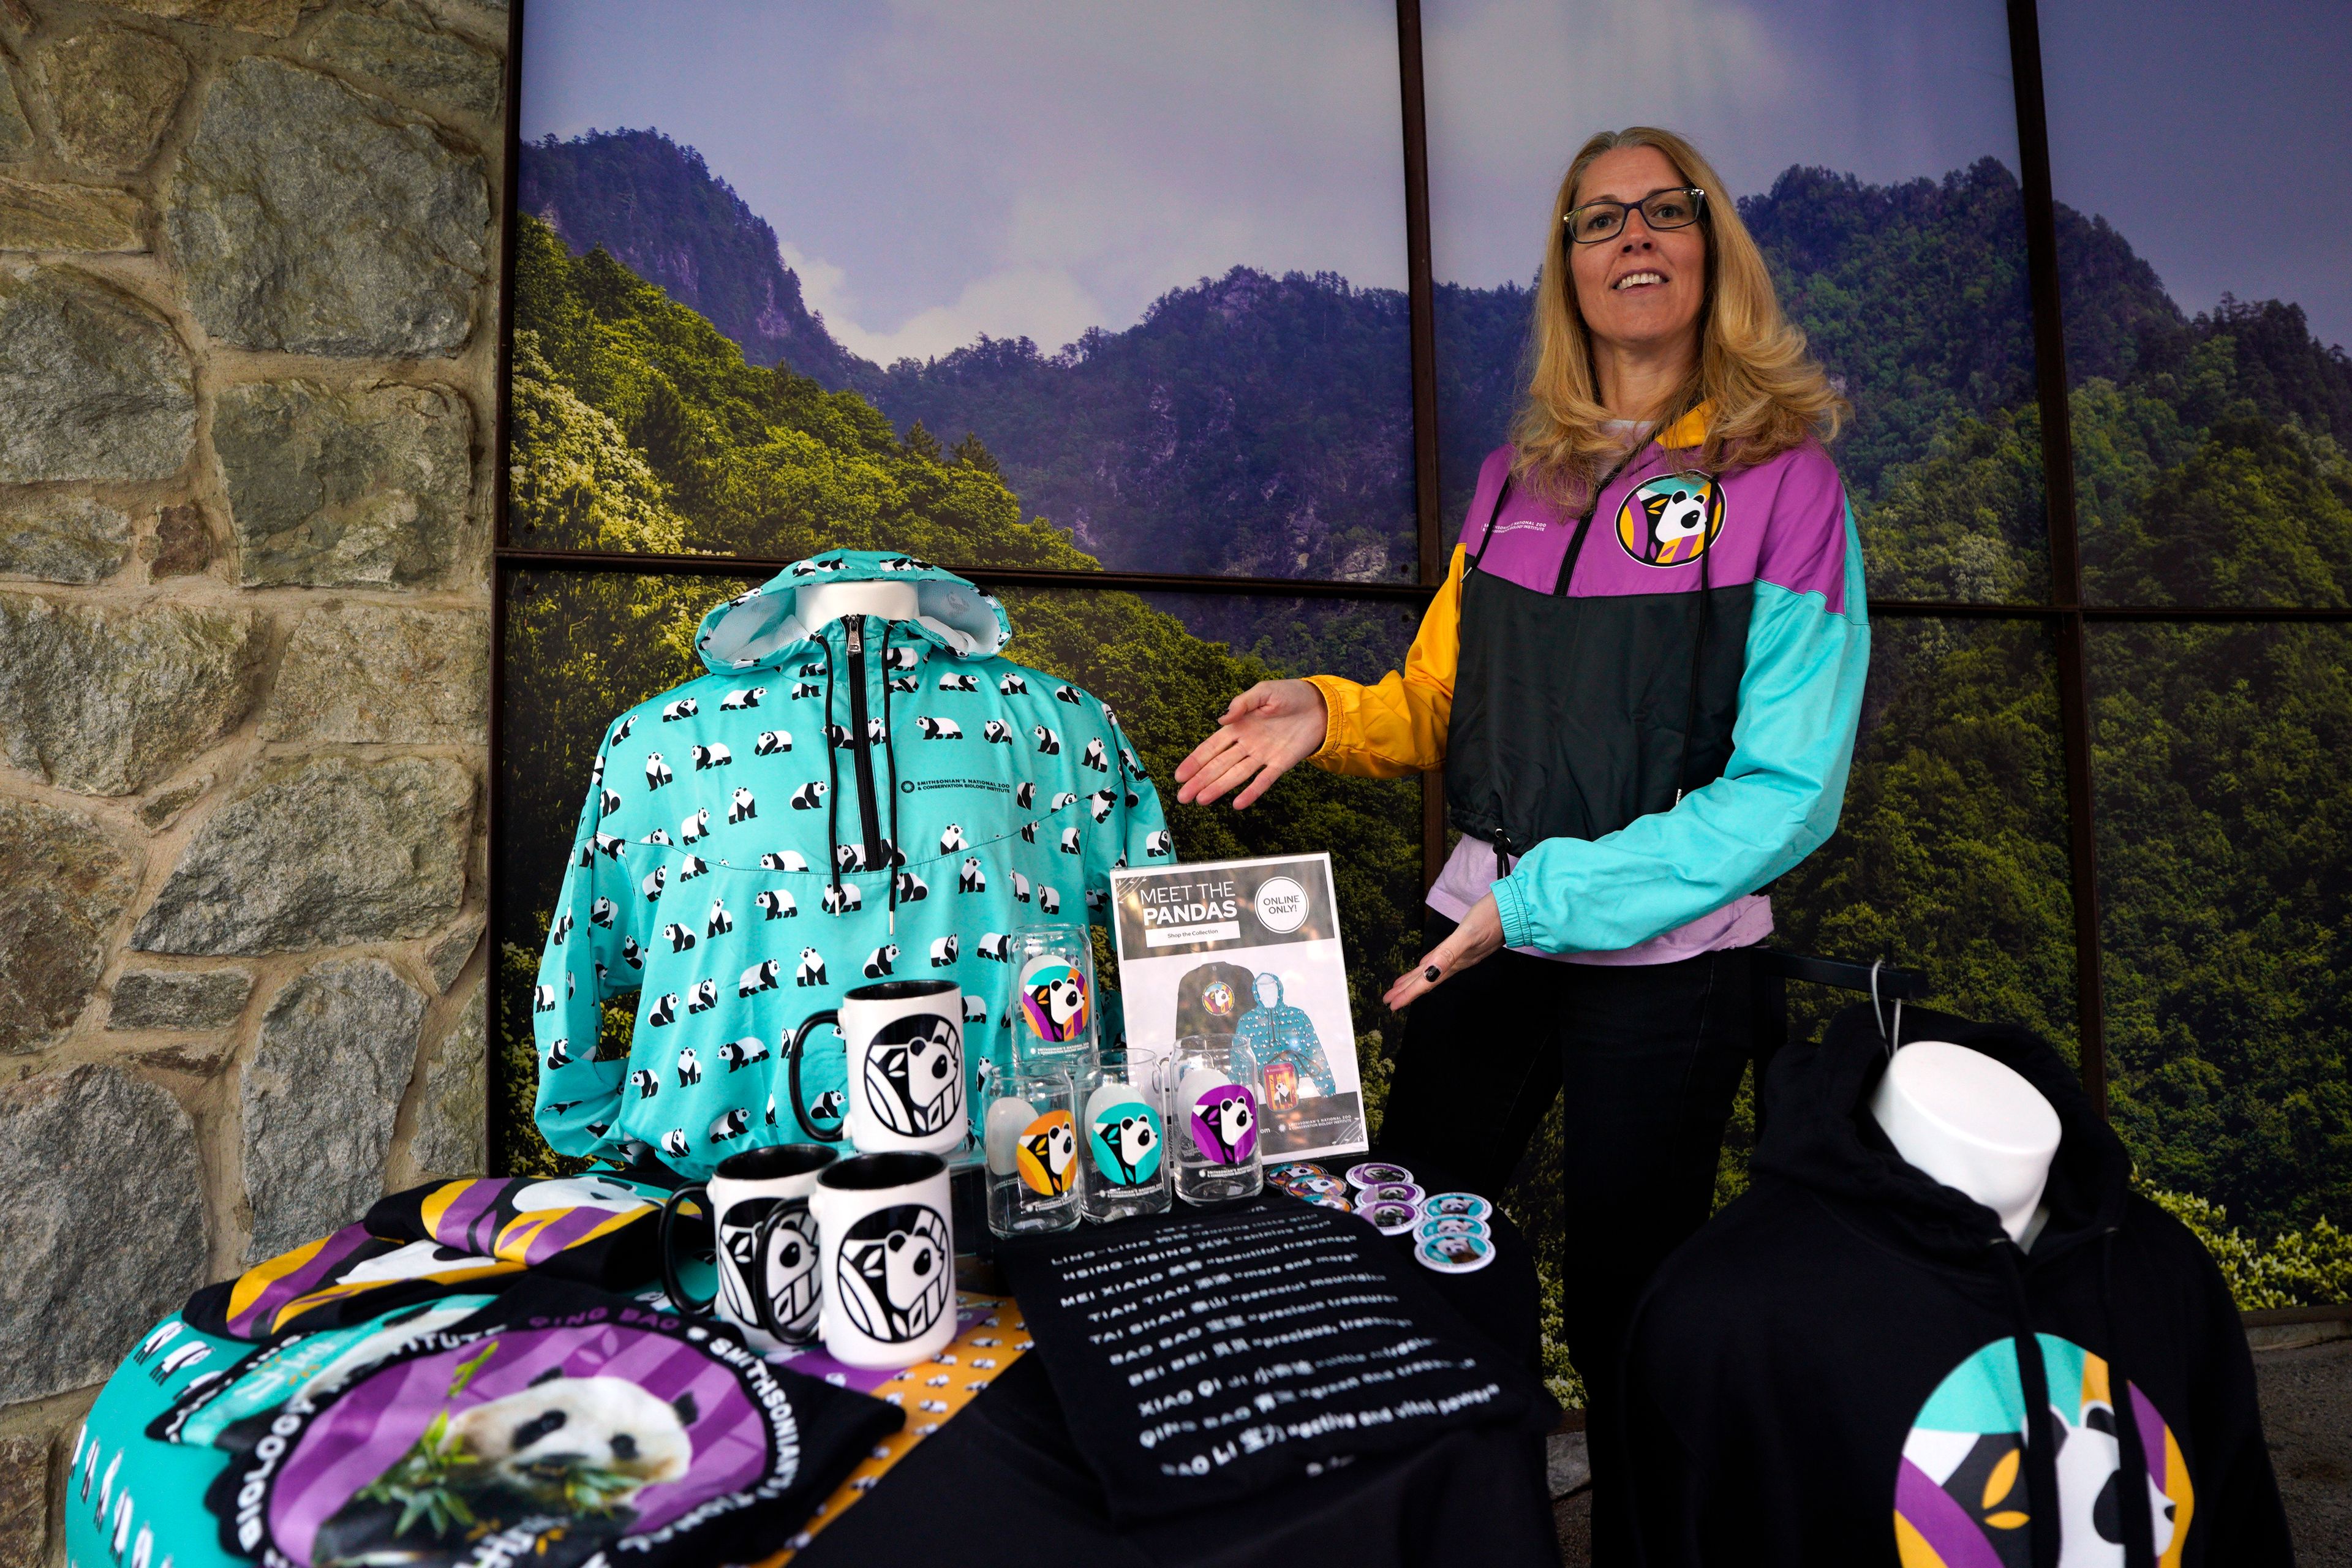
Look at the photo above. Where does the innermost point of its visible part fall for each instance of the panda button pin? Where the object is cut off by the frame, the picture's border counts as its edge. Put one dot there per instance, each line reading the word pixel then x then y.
pixel 1378 1174
pixel 1457 1205
pixel 1390 1193
pixel 1450 1225
pixel 1455 1254
pixel 1390 1219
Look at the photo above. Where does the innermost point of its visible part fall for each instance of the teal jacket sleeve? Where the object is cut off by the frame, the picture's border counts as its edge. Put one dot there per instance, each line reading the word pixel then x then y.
pixel 594 952
pixel 1776 803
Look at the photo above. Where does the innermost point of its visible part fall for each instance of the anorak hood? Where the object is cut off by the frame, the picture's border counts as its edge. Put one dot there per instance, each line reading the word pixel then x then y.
pixel 763 628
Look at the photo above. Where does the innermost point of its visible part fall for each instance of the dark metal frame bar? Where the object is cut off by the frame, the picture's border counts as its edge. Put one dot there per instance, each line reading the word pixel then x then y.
pixel 1422 291
pixel 2066 555
pixel 2066 612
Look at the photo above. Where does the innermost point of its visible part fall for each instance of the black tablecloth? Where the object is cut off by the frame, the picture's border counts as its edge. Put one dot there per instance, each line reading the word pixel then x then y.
pixel 1003 1483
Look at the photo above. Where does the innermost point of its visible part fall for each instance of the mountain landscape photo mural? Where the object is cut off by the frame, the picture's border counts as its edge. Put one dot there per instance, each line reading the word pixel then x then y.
pixel 674 391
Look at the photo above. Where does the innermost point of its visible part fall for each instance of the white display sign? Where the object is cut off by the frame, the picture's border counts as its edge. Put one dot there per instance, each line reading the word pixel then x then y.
pixel 1250 951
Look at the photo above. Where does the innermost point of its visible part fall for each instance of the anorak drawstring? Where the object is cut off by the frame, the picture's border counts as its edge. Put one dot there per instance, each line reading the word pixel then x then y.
pixel 2136 1510
pixel 2039 1444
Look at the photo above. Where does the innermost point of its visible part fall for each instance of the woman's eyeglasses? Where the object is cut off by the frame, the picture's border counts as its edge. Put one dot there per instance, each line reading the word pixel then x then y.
pixel 1595 221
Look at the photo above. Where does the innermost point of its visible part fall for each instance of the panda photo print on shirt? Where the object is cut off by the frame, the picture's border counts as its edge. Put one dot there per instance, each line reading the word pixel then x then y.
pixel 1248 951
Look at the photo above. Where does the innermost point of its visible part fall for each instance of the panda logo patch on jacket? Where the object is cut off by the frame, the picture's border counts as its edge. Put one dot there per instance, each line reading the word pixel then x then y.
pixel 1671 521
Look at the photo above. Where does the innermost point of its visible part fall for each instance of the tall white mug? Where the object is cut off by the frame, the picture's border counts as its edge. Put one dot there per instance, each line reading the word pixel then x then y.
pixel 904 1040
pixel 887 1253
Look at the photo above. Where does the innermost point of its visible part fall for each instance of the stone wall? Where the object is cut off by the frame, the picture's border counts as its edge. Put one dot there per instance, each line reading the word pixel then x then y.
pixel 248 259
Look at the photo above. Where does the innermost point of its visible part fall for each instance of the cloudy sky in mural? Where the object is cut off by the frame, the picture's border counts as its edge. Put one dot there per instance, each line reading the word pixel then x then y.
pixel 938 170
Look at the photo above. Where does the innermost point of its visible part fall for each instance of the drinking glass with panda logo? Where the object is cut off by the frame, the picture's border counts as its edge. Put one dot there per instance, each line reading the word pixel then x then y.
pixel 758 1205
pixel 1218 1098
pixel 1054 966
pixel 1031 1142
pixel 1122 1131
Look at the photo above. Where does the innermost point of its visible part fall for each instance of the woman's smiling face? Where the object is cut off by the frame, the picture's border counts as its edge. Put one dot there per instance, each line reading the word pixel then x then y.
pixel 1643 287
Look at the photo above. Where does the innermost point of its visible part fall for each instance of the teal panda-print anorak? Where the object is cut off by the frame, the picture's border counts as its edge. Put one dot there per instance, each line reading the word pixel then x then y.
pixel 826 807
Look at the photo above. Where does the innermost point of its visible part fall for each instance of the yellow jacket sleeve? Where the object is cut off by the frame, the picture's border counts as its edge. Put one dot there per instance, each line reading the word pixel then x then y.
pixel 1397 726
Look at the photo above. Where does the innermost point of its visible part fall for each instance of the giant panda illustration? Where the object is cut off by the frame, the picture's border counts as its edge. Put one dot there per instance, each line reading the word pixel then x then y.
pixel 893 1272
pixel 914 1074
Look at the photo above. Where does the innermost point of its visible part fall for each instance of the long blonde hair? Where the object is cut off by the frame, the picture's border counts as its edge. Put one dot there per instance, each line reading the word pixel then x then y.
pixel 1764 393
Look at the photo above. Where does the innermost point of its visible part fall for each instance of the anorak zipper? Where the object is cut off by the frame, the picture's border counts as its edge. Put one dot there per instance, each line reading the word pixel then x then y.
pixel 869 816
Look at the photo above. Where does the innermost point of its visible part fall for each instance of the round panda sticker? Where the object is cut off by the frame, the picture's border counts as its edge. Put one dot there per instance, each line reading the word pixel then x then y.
pixel 1047 1154
pixel 1054 1000
pixel 1391 1193
pixel 1456 1253
pixel 1451 1225
pixel 1224 1124
pixel 1125 1141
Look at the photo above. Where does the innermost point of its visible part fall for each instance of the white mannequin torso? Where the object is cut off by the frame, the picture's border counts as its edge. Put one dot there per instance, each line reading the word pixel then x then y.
pixel 1972 1124
pixel 822 604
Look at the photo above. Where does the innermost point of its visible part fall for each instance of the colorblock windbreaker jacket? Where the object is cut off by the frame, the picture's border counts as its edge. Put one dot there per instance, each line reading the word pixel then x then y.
pixel 871 799
pixel 1654 713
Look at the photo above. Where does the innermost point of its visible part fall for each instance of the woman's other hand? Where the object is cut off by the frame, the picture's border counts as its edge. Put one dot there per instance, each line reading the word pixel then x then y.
pixel 1266 732
pixel 1479 936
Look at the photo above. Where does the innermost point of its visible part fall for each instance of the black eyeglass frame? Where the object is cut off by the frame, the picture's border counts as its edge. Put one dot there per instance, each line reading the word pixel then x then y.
pixel 1626 209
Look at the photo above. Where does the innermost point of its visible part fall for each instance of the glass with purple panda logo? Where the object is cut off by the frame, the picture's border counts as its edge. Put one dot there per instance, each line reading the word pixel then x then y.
pixel 1123 1129
pixel 1219 1157
pixel 1054 997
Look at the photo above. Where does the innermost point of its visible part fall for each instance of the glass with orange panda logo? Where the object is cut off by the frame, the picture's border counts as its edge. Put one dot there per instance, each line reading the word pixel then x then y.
pixel 1031 1137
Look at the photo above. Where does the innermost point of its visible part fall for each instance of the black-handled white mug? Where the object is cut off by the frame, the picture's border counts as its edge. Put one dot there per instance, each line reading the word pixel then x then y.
pixel 903 1041
pixel 802 1112
pixel 748 1200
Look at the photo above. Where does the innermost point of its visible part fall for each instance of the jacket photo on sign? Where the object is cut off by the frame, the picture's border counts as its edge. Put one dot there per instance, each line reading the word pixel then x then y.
pixel 1282 1039
pixel 1644 714
pixel 1847 1363
pixel 1211 1000
pixel 828 806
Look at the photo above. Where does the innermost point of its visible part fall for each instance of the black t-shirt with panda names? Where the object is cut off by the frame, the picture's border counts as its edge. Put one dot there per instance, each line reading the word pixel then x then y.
pixel 1206 1356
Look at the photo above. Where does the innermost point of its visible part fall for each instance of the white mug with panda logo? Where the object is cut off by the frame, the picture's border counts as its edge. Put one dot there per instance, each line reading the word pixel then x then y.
pixel 904 1040
pixel 758 1202
pixel 886 1256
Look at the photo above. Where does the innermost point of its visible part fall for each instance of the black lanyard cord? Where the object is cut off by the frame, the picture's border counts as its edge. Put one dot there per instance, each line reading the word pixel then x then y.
pixel 1575 541
pixel 1698 652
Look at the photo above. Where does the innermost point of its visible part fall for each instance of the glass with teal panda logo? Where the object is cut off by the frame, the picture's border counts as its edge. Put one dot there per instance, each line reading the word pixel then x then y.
pixel 1122 1128
pixel 1054 999
pixel 1032 1136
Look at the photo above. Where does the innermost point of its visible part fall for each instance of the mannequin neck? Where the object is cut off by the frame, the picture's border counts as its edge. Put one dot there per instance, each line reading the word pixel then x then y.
pixel 819 604
pixel 1972 1124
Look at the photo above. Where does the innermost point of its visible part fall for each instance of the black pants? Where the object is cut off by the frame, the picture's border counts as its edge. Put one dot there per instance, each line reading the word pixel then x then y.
pixel 1649 1058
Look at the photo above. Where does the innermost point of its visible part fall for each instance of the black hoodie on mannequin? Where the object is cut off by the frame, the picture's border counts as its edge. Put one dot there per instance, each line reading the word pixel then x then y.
pixel 1828 1372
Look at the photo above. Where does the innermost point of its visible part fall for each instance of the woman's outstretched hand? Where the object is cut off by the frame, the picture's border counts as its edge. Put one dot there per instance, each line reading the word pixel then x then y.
pixel 1478 937
pixel 1265 732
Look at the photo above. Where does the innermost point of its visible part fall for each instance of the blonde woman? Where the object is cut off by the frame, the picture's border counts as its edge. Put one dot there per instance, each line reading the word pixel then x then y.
pixel 1642 677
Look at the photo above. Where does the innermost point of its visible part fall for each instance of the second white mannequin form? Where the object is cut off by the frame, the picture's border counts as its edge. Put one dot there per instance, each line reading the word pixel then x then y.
pixel 822 604
pixel 1974 1125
